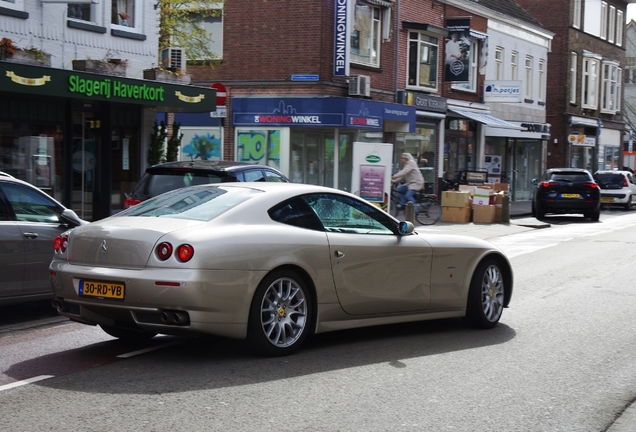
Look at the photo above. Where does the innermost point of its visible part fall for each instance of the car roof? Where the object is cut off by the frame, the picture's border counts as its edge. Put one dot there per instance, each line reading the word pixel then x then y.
pixel 568 169
pixel 612 172
pixel 215 165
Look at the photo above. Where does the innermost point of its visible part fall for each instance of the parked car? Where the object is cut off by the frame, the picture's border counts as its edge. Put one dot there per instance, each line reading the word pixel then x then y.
pixel 270 262
pixel 566 191
pixel 617 188
pixel 168 176
pixel 30 220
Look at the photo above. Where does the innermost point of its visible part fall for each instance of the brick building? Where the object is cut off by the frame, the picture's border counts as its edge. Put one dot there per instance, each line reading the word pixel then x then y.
pixel 584 80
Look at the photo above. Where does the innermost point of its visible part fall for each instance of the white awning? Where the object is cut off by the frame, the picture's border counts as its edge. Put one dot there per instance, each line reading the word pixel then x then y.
pixel 383 3
pixel 477 35
pixel 487 119
pixel 583 121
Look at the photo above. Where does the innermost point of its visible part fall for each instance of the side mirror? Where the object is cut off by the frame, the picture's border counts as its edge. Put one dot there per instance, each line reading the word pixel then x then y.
pixel 70 217
pixel 405 228
pixel 535 181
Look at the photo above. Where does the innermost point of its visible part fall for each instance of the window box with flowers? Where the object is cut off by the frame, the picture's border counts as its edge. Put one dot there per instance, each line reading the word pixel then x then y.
pixel 108 66
pixel 31 56
pixel 166 75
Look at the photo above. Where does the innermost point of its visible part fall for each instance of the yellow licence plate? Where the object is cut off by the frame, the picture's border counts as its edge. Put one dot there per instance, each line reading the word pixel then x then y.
pixel 101 289
pixel 570 196
pixel 607 199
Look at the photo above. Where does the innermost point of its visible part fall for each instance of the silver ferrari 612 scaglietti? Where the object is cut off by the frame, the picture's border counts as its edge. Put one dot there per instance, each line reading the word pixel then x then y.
pixel 271 263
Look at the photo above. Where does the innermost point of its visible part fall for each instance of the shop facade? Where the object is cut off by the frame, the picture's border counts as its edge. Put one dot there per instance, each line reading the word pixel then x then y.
pixel 82 137
pixel 311 139
pixel 595 144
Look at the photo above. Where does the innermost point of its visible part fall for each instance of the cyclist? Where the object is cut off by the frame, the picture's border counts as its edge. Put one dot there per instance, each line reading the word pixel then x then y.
pixel 410 177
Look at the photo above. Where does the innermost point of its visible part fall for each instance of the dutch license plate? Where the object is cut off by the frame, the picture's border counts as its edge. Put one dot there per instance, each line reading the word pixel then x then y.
pixel 608 200
pixel 101 289
pixel 570 196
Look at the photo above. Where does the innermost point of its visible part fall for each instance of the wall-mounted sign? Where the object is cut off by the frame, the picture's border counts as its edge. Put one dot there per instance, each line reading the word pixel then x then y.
pixel 342 38
pixel 502 91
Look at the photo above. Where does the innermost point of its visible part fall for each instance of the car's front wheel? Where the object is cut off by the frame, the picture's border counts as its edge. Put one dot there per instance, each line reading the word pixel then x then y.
pixel 486 295
pixel 126 334
pixel 280 314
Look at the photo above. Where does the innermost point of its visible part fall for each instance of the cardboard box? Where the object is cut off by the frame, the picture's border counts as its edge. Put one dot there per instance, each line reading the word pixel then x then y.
pixel 456 214
pixel 497 187
pixel 484 213
pixel 455 199
pixel 466 188
pixel 481 197
pixel 498 213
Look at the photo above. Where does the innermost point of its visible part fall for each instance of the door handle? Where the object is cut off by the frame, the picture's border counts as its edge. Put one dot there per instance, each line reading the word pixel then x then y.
pixel 31 235
pixel 338 254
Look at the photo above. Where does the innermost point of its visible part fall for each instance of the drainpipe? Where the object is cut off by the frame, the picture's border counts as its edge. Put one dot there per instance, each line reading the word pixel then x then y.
pixel 397 50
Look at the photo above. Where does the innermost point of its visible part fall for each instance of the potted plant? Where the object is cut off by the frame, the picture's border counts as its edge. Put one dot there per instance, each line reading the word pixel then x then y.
pixel 108 65
pixel 167 75
pixel 33 56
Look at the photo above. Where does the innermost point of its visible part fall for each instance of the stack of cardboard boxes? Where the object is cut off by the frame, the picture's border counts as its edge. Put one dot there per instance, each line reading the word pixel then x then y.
pixel 479 204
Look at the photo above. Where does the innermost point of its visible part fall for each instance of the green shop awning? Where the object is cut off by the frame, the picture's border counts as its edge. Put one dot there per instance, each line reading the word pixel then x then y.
pixel 45 81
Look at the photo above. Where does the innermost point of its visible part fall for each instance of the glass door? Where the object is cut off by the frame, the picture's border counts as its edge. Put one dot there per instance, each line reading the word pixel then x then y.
pixel 86 129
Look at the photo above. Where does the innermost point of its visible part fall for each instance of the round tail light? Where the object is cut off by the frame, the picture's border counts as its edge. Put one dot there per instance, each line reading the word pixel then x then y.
pixel 164 250
pixel 185 252
pixel 60 244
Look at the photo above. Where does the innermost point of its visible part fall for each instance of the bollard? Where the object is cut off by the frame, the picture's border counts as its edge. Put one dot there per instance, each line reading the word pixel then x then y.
pixel 505 209
pixel 409 212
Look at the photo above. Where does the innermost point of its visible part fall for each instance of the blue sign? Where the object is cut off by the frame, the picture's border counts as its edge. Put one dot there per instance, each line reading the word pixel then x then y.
pixel 341 39
pixel 305 77
pixel 319 112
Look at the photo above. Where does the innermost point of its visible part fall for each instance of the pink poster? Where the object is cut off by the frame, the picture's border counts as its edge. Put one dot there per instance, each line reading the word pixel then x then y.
pixel 372 182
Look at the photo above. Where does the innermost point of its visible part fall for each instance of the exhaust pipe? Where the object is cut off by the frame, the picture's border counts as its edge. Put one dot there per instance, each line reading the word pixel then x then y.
pixel 180 318
pixel 59 304
pixel 166 317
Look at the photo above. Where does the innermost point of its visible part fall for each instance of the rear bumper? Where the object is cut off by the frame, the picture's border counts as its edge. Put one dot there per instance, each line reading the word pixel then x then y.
pixel 570 206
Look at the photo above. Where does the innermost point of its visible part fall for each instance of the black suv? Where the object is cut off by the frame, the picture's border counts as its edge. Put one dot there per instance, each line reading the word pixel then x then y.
pixel 168 176
pixel 564 191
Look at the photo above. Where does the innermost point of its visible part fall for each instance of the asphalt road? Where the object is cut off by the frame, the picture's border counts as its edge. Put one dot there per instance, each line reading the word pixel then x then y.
pixel 562 359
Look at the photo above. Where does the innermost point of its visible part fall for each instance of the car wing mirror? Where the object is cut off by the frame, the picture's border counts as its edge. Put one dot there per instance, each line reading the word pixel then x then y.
pixel 535 181
pixel 70 217
pixel 405 228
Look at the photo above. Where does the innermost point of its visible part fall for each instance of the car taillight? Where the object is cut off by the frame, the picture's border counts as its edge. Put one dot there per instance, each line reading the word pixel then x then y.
pixel 164 250
pixel 60 243
pixel 547 184
pixel 185 252
pixel 625 184
pixel 591 185
pixel 130 201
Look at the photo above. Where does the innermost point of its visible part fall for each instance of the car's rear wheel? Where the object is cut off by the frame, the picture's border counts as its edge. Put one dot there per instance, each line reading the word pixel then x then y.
pixel 628 204
pixel 539 211
pixel 486 295
pixel 128 334
pixel 594 216
pixel 280 314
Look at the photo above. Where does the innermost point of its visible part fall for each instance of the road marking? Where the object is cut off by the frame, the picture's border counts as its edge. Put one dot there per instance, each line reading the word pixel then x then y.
pixel 25 382
pixel 143 351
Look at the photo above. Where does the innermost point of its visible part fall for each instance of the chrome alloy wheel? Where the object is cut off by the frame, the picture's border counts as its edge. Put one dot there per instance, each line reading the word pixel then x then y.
pixel 492 293
pixel 284 312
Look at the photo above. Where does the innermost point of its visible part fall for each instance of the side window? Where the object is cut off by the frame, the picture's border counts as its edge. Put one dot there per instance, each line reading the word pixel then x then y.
pixel 297 213
pixel 30 206
pixel 255 175
pixel 348 215
pixel 274 177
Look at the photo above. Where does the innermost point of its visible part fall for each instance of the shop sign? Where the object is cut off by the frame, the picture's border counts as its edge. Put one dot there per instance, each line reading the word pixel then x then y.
pixel 423 101
pixel 582 140
pixel 341 38
pixel 502 91
pixel 72 84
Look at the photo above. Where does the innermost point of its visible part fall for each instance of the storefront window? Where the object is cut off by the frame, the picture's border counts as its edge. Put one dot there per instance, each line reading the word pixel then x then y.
pixel 460 147
pixel 527 167
pixel 421 144
pixel 611 158
pixel 582 157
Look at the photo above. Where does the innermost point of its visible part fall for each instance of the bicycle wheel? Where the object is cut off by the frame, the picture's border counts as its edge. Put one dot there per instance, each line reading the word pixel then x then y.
pixel 429 211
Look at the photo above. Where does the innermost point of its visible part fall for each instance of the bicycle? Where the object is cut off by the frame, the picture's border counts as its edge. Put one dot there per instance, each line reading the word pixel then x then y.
pixel 428 210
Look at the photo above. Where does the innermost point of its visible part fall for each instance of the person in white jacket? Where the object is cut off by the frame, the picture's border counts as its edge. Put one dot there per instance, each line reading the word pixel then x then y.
pixel 410 177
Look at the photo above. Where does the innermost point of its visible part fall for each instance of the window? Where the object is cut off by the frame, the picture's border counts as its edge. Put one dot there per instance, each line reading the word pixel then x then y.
pixel 620 23
pixel 499 56
pixel 603 20
pixel 473 64
pixel 126 13
pixel 611 32
pixel 12 4
pixel 589 82
pixel 513 66
pixel 542 81
pixel 422 60
pixel 528 77
pixel 576 22
pixel 573 64
pixel 610 85
pixel 31 206
pixel 84 12
pixel 366 34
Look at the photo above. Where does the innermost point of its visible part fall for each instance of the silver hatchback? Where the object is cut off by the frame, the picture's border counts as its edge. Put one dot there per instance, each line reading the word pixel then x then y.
pixel 617 188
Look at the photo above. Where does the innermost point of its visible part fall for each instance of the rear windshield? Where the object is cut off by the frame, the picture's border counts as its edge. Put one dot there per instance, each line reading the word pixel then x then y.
pixel 197 203
pixel 607 179
pixel 569 177
pixel 160 183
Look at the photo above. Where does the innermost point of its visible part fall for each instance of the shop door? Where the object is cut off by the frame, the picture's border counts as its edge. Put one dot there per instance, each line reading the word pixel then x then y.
pixel 86 129
pixel 308 158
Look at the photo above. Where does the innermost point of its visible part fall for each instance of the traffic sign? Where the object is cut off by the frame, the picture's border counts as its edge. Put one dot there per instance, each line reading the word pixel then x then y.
pixel 221 93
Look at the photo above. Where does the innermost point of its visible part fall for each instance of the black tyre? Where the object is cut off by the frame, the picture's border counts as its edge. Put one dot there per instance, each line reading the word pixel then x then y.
pixel 628 204
pixel 280 315
pixel 486 295
pixel 595 216
pixel 429 211
pixel 127 334
pixel 539 212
